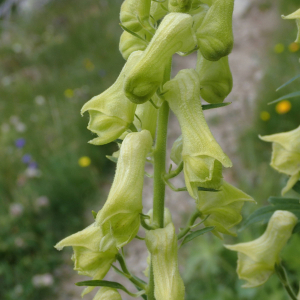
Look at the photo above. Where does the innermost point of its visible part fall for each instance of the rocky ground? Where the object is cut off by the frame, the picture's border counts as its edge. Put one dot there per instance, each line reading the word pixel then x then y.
pixel 252 30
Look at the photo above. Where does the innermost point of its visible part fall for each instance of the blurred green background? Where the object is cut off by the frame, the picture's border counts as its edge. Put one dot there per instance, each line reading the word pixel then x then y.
pixel 52 60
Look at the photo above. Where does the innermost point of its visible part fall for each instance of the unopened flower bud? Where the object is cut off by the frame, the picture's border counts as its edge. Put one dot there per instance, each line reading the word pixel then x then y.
pixel 202 156
pixel 88 260
pixel 286 155
pixel 176 151
pixel 134 14
pixel 257 259
pixel 106 293
pixel 111 113
pixel 296 16
pixel 223 207
pixel 180 5
pixel 174 34
pixel 215 37
pixel 215 79
pixel 119 219
pixel 162 245
pixel 130 43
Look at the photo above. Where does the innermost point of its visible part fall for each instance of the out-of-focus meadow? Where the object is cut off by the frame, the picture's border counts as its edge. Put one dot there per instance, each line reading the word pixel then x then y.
pixel 53 58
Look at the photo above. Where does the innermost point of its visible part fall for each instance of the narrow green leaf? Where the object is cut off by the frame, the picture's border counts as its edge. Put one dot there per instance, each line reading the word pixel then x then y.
pixel 297 228
pixel 217 105
pixel 197 233
pixel 288 82
pixel 296 187
pixel 264 214
pixel 110 284
pixel 288 96
pixel 207 189
pixel 112 158
pixel 133 33
pixel 281 200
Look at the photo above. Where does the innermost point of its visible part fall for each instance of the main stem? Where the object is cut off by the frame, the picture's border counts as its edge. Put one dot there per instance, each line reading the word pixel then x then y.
pixel 159 158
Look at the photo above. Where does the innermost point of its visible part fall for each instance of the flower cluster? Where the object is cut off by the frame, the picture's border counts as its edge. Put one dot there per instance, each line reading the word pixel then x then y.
pixel 129 113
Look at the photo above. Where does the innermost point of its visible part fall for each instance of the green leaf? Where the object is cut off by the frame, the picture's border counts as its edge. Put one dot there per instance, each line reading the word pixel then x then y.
pixel 110 284
pixel 207 189
pixel 288 96
pixel 211 106
pixel 297 228
pixel 281 200
pixel 112 158
pixel 296 187
pixel 264 214
pixel 288 82
pixel 133 33
pixel 197 233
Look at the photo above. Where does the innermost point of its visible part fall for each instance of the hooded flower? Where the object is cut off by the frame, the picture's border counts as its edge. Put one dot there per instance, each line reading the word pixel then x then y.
pixel 162 245
pixel 106 293
pixel 111 113
pixel 296 16
pixel 130 43
pixel 286 155
pixel 202 156
pixel 215 38
pixel 174 34
pixel 119 219
pixel 88 260
pixel 223 207
pixel 257 259
pixel 135 14
pixel 215 79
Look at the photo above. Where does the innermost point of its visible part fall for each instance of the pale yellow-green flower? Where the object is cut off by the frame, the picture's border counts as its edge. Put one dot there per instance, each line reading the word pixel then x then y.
pixel 174 34
pixel 215 38
pixel 111 113
pixel 296 16
pixel 201 154
pixel 180 5
pixel 215 79
pixel 130 43
pixel 119 219
pixel 223 207
pixel 257 259
pixel 106 293
pixel 286 155
pixel 162 245
pixel 135 14
pixel 88 260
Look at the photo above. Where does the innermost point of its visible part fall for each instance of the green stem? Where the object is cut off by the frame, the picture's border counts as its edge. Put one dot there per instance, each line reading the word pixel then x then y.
pixel 137 282
pixel 159 163
pixel 281 273
pixel 191 222
pixel 159 158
